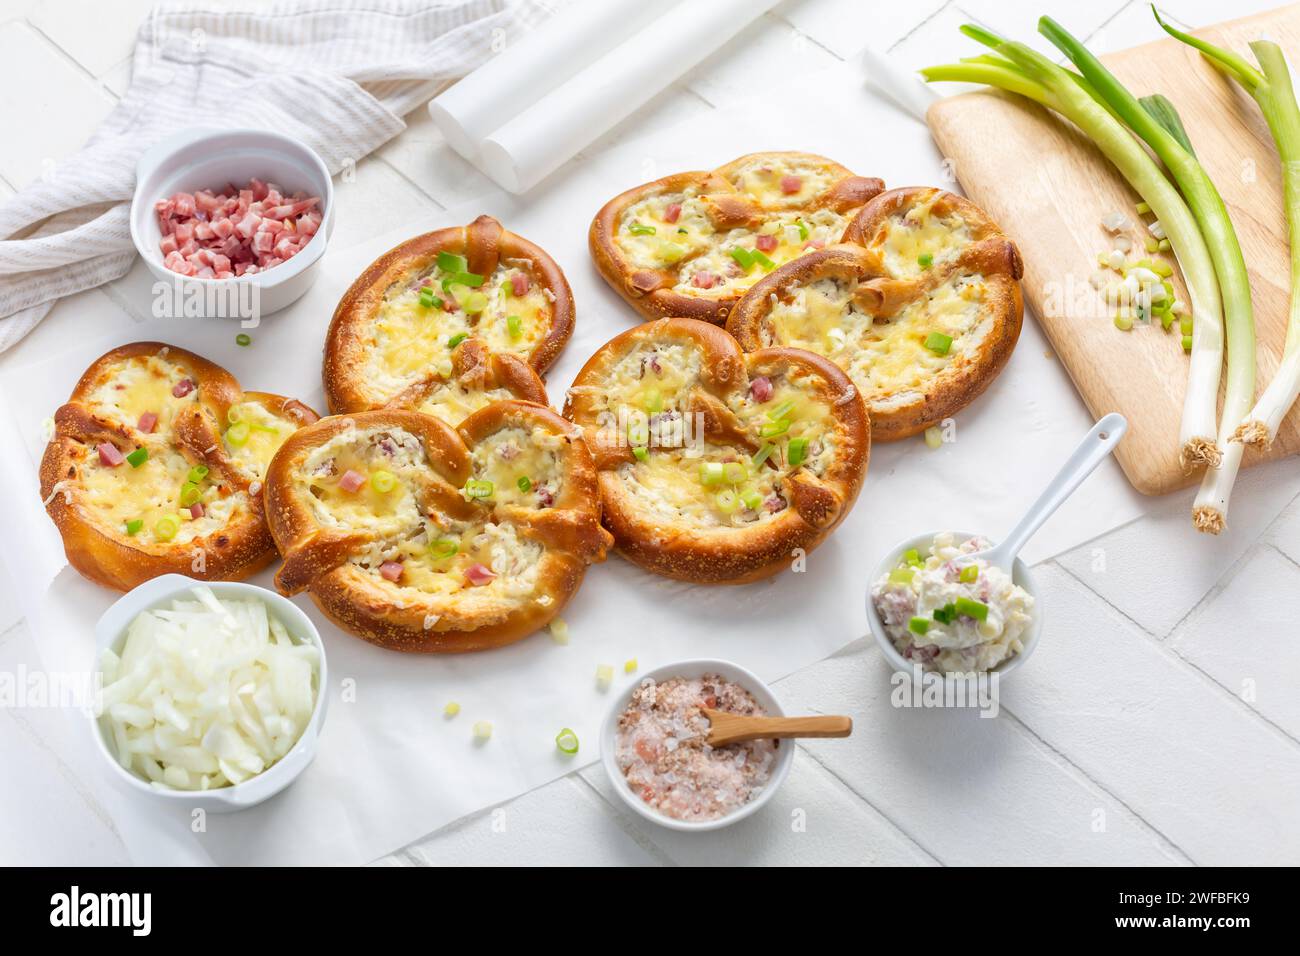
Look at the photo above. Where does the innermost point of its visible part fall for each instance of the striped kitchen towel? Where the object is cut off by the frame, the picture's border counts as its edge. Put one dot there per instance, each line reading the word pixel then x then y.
pixel 336 74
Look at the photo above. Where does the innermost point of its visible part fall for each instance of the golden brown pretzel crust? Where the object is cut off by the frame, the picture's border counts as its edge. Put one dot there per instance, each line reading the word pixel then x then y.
pixel 316 557
pixel 724 555
pixel 650 291
pixel 109 556
pixel 484 242
pixel 989 254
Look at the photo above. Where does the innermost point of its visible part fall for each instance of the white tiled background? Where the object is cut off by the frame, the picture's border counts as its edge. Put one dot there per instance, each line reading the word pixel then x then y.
pixel 1159 723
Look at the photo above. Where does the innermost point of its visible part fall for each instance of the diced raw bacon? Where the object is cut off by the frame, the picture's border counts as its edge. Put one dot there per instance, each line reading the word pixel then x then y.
pixel 765 243
pixel 761 388
pixel 704 280
pixel 391 570
pixel 109 455
pixel 183 387
pixel 221 234
pixel 351 480
pixel 520 283
pixel 791 184
pixel 673 211
pixel 147 422
pixel 479 575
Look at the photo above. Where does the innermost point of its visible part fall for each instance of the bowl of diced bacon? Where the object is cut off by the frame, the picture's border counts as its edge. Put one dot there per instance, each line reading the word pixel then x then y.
pixel 224 208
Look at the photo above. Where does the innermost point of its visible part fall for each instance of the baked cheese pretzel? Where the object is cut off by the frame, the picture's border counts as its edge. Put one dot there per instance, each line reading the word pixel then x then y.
pixel 448 322
pixel 692 243
pixel 156 466
pixel 716 466
pixel 921 305
pixel 419 537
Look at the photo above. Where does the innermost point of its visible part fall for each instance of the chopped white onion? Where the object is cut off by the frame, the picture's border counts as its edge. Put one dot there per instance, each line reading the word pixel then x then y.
pixel 207 692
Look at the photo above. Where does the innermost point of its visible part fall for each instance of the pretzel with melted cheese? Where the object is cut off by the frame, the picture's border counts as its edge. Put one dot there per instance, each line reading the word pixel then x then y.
pixel 419 537
pixel 692 243
pixel 920 304
pixel 118 475
pixel 497 312
pixel 716 466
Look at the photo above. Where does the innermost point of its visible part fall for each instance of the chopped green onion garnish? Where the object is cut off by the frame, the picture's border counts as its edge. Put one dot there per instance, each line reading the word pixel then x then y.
pixel 751 499
pixel 197 473
pixel 1185 325
pixel 938 343
pixel 918 625
pixel 138 457
pixel 243 338
pixel 671 251
pixel 383 481
pixel 1143 208
pixel 653 400
pixel 796 451
pixel 969 574
pixel 475 303
pixel 1123 322
pixel 902 575
pixel 764 451
pixel 762 259
pixel 479 488
pixel 470 279
pixel 683 231
pixel 514 325
pixel 567 741
pixel 456 339
pixel 134 525
pixel 773 429
pixel 1152 244
pixel 734 472
pixel 166 527
pixel 974 609
pixel 1187 343
pixel 711 473
pixel 237 434
pixel 946 614
pixel 781 411
pixel 912 556
pixel 450 262
pixel 727 501
pixel 443 548
pixel 742 256
pixel 803 230
pixel 427 297
pixel 925 260
pixel 640 453
pixel 641 229
pixel 524 483
pixel 190 494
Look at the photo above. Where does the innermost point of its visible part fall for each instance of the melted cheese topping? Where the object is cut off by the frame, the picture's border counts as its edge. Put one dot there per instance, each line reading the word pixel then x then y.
pixel 904 240
pixel 408 342
pixel 393 451
pixel 884 357
pixel 266 433
pixel 524 467
pixel 454 403
pixel 702 256
pixel 684 477
pixel 138 385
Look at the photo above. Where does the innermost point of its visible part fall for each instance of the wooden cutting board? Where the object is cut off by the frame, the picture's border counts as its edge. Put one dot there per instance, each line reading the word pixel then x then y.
pixel 1049 188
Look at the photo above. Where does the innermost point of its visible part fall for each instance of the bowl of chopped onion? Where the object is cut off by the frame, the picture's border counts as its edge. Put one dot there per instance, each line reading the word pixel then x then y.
pixel 208 694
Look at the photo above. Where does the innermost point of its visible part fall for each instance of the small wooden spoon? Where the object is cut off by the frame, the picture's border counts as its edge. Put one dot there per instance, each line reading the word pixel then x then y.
pixel 727 728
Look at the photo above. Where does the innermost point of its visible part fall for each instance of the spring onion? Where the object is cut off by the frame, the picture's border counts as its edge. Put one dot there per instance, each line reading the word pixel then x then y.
pixel 711 473
pixel 166 527
pixel 946 614
pixel 971 608
pixel 450 262
pixel 764 452
pixel 938 343
pixel 762 259
pixel 969 574
pixel 743 257
pixel 774 429
pixel 566 741
pixel 901 575
pixel 918 625
pixel 134 525
pixel 727 501
pixel 190 494
pixel 629 666
pixel 479 488
pixel 925 260
pixel 796 452
pixel 237 434
pixel 735 472
pixel 652 400
pixel 514 325
pixel 443 548
pixel 474 303
pixel 1019 69
pixel 640 452
pixel 197 474
pixel 1272 90
pixel 912 557
pixel 138 457
pixel 671 252
pixel 243 339
pixel 524 484
pixel 803 230
pixel 383 481
pixel 456 339
pixel 641 229
pixel 1211 505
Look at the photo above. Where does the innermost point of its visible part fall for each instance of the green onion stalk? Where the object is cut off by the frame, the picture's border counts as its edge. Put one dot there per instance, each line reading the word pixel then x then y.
pixel 1019 69
pixel 1272 90
pixel 1158 125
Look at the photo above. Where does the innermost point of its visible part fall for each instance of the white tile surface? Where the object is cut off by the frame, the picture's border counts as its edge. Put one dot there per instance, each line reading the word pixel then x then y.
pixel 42 90
pixel 1132 737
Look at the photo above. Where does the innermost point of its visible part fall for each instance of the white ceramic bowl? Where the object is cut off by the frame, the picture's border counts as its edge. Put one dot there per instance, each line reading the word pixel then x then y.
pixel 1019 574
pixel 694 668
pixel 110 631
pixel 204 158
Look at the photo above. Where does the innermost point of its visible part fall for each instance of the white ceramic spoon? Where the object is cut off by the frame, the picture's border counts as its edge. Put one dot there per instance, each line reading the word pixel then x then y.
pixel 1092 451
